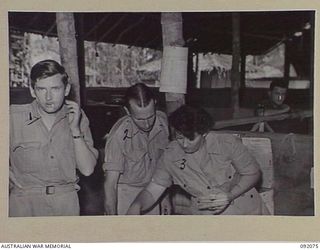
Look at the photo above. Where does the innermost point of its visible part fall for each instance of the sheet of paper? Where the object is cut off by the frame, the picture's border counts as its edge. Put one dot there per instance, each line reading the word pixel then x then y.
pixel 174 70
pixel 262 151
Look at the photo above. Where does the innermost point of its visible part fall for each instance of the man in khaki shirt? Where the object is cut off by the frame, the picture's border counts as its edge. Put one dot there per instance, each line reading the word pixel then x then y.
pixel 216 170
pixel 274 105
pixel 49 139
pixel 133 147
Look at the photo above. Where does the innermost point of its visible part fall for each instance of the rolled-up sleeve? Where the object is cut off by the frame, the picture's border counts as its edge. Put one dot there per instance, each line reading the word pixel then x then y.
pixel 114 159
pixel 241 158
pixel 85 129
pixel 161 175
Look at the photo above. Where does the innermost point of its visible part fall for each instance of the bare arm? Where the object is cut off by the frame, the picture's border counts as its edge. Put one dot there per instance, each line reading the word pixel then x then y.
pixel 245 183
pixel 249 175
pixel 111 192
pixel 86 159
pixel 146 198
pixel 285 109
pixel 217 202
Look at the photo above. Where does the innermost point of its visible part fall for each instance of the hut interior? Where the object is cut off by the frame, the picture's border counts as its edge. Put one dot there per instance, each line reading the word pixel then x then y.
pixel 205 33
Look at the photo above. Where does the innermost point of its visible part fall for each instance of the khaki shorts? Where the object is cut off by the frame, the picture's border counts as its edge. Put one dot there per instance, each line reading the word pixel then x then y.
pixel 126 195
pixel 37 203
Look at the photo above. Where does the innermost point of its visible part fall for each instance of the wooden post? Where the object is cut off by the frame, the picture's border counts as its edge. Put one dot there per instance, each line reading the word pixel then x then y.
pixel 312 40
pixel 242 76
pixel 68 51
pixel 235 74
pixel 192 77
pixel 81 59
pixel 243 70
pixel 198 72
pixel 286 74
pixel 172 36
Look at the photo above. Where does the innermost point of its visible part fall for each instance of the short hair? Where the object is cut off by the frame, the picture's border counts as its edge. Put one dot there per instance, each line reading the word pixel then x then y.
pixel 140 93
pixel 45 69
pixel 278 83
pixel 191 119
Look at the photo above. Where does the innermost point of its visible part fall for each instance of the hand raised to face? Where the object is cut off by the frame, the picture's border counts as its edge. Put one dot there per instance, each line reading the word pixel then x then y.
pixel 74 115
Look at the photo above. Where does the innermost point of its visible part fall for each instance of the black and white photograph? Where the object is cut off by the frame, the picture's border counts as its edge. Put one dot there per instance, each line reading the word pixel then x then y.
pixel 161 114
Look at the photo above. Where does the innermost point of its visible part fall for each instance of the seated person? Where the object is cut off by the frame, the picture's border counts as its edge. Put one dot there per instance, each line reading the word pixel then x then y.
pixel 275 103
pixel 215 169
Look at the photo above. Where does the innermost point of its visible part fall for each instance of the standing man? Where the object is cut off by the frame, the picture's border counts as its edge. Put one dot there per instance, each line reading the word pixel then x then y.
pixel 133 148
pixel 49 139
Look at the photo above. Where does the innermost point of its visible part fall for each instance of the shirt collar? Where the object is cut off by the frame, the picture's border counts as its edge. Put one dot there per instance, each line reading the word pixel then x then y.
pixel 34 114
pixel 211 144
pixel 35 109
pixel 134 129
pixel 157 128
pixel 175 151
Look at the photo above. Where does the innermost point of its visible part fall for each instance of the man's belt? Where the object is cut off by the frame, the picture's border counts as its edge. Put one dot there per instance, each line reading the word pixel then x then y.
pixel 47 190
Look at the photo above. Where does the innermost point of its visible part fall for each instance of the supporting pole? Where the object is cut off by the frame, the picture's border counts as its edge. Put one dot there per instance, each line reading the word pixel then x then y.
pixel 242 76
pixel 68 51
pixel 286 75
pixel 172 36
pixel 192 77
pixel 81 58
pixel 243 71
pixel 235 74
pixel 312 40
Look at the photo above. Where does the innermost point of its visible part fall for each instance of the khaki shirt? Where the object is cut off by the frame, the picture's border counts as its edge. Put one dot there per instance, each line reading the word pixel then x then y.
pixel 132 152
pixel 39 157
pixel 267 105
pixel 220 162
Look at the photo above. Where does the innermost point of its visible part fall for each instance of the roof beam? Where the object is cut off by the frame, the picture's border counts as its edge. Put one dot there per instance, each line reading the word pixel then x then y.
pixel 151 41
pixel 112 28
pixel 129 28
pixel 53 25
pixel 101 21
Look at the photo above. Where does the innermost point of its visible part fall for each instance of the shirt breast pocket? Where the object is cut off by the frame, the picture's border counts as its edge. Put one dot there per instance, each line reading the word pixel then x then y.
pixel 222 169
pixel 134 156
pixel 27 156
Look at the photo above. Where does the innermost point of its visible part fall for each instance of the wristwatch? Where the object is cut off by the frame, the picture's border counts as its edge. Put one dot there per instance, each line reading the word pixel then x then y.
pixel 78 136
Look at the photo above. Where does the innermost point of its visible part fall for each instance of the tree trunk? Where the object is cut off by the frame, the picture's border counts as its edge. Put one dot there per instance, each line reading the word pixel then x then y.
pixel 68 51
pixel 172 36
pixel 235 73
